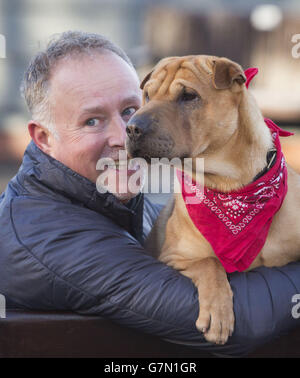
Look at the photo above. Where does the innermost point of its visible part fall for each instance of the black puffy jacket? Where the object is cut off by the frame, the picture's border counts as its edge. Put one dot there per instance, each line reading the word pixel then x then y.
pixel 64 246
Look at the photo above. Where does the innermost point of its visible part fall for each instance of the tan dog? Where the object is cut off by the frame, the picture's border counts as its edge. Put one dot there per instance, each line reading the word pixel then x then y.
pixel 198 106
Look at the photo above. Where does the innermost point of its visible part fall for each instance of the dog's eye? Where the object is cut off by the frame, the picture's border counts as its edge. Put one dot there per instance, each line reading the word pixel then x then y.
pixel 146 96
pixel 188 96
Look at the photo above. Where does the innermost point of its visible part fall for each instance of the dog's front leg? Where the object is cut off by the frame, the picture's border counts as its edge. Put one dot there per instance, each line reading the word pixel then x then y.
pixel 216 317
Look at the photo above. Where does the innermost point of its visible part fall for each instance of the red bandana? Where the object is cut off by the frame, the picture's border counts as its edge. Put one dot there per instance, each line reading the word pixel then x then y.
pixel 236 224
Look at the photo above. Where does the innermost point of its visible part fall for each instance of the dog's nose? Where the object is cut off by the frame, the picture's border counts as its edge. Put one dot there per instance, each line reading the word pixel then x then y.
pixel 133 131
pixel 138 126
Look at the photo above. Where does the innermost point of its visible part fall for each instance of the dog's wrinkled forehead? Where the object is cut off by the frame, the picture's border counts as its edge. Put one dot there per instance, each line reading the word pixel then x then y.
pixel 171 74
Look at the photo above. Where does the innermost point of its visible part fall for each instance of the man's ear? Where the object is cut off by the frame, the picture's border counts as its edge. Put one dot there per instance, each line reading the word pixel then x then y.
pixel 226 73
pixel 146 78
pixel 41 136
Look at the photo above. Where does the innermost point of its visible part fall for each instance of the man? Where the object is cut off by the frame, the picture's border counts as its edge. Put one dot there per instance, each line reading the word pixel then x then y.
pixel 65 246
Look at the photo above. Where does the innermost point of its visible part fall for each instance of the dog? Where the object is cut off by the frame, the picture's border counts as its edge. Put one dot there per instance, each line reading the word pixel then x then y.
pixel 199 107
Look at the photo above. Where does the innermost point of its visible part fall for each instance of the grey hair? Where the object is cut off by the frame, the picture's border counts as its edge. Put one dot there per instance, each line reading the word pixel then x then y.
pixel 35 84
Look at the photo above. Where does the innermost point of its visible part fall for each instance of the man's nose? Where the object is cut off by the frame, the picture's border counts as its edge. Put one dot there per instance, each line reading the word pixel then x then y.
pixel 138 126
pixel 117 133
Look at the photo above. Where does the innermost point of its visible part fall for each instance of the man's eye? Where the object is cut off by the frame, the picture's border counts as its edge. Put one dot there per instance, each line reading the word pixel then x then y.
pixel 92 122
pixel 128 112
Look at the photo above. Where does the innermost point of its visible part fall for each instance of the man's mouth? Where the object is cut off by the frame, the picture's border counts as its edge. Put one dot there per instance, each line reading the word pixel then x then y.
pixel 130 165
pixel 118 164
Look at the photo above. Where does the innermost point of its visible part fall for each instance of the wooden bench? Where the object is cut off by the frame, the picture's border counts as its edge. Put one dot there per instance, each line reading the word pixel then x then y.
pixel 65 334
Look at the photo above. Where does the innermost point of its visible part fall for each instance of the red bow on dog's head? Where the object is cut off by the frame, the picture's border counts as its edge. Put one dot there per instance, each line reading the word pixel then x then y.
pixel 250 73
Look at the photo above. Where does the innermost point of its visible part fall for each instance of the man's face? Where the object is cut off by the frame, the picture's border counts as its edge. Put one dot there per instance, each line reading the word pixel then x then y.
pixel 92 99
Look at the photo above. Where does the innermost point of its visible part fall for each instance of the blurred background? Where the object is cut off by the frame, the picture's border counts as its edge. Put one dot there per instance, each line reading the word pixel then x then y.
pixel 264 34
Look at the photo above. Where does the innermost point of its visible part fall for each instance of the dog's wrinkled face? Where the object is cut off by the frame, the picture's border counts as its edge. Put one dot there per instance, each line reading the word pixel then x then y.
pixel 190 108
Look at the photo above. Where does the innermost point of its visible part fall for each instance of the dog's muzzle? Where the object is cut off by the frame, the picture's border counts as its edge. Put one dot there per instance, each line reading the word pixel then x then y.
pixel 138 127
pixel 138 130
pixel 145 140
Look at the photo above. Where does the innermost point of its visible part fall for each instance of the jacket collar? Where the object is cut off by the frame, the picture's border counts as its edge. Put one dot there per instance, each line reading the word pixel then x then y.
pixel 39 168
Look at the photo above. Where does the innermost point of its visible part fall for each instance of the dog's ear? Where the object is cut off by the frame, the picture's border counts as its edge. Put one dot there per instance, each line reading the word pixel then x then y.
pixel 146 78
pixel 226 73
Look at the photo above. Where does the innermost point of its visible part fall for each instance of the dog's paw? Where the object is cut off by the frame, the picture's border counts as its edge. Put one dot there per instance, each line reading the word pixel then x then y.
pixel 216 317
